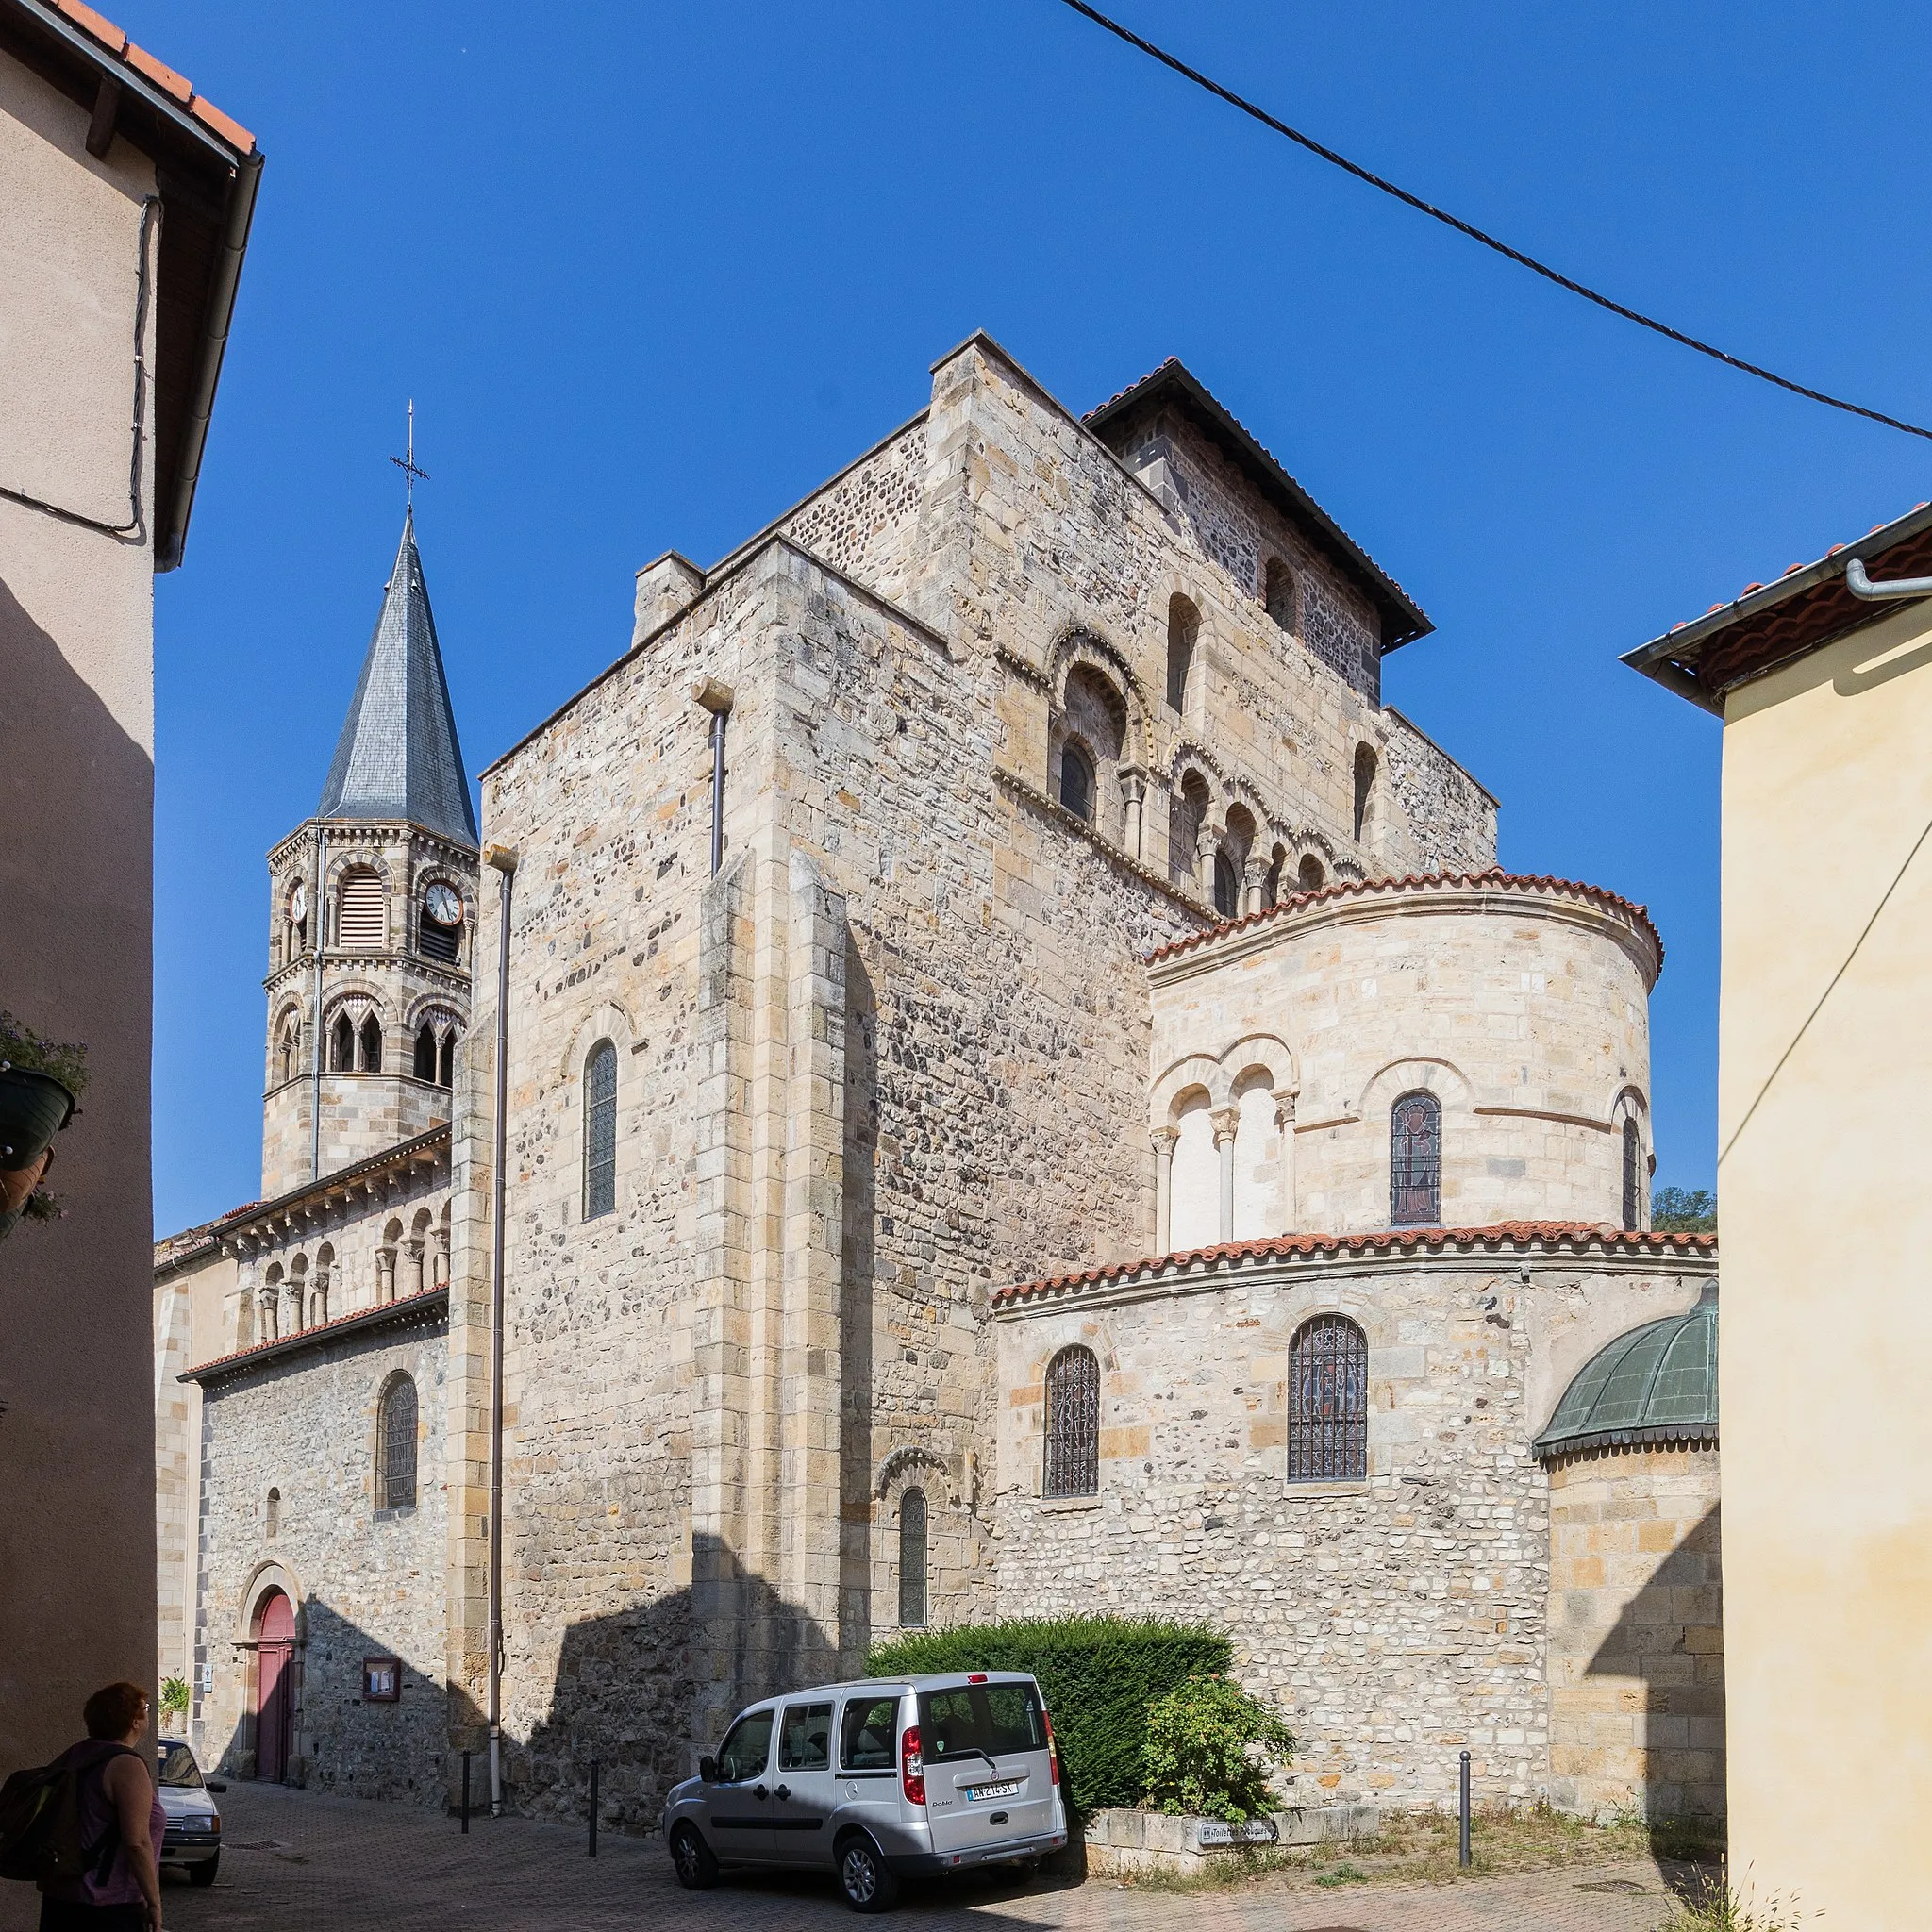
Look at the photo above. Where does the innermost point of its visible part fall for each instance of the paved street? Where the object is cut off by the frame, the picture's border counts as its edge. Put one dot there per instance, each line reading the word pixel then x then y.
pixel 299 1862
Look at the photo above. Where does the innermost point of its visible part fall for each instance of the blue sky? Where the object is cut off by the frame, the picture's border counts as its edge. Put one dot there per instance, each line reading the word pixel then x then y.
pixel 651 272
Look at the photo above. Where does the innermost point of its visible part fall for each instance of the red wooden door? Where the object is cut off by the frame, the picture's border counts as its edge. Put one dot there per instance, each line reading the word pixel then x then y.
pixel 274 1688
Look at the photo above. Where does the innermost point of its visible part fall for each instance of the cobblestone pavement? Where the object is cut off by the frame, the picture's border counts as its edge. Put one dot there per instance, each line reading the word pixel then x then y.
pixel 297 1861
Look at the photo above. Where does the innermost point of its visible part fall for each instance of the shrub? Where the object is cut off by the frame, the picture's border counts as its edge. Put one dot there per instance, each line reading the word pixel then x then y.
pixel 1098 1676
pixel 19 1046
pixel 1198 1761
pixel 173 1696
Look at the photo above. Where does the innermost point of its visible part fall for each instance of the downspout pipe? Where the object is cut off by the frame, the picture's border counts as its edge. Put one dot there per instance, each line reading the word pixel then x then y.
pixel 1859 585
pixel 717 699
pixel 504 858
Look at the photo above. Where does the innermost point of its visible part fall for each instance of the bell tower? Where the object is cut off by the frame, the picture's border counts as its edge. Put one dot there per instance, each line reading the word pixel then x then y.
pixel 372 915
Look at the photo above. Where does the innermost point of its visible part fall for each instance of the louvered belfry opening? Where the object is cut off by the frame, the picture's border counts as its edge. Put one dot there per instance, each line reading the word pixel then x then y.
pixel 425 1052
pixel 341 1054
pixel 438 942
pixel 446 1060
pixel 371 1046
pixel 1328 1402
pixel 1415 1162
pixel 1072 1424
pixel 361 922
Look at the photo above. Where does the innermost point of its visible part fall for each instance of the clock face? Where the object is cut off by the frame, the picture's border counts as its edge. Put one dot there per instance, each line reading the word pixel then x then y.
pixel 298 902
pixel 443 905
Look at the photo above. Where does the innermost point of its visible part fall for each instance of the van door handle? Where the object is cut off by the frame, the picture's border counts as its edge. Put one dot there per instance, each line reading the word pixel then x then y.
pixel 759 1791
pixel 783 1793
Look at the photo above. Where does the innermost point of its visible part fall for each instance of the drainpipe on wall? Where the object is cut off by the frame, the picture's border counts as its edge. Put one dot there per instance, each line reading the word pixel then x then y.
pixel 504 858
pixel 320 934
pixel 1859 585
pixel 717 699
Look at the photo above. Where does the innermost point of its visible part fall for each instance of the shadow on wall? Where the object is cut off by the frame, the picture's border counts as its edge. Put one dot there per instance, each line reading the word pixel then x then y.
pixel 647 1690
pixel 859 1261
pixel 1669 1637
pixel 339 1742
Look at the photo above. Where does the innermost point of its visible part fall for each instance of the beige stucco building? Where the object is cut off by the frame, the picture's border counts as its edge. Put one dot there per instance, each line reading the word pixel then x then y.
pixel 125 205
pixel 1024 1088
pixel 1827 697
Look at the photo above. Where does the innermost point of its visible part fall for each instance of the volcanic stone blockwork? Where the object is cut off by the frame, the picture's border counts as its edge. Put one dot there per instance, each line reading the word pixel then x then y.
pixel 367 1581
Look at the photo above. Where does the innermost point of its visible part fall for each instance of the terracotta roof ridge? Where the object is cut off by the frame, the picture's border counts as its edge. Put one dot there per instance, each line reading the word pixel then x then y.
pixel 1269 1247
pixel 178 86
pixel 401 1304
pixel 1414 881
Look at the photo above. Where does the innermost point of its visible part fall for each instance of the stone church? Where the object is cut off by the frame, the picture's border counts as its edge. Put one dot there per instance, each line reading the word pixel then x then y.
pixel 977 1070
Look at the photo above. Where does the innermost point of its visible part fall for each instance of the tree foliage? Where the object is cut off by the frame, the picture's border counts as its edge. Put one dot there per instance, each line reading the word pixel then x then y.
pixel 1683 1210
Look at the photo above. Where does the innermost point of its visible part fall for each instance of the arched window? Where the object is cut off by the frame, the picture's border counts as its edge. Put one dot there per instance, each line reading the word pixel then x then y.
pixel 912 1560
pixel 361 917
pixel 439 923
pixel 341 1050
pixel 1072 1424
pixel 1077 780
pixel 1415 1162
pixel 1364 788
pixel 372 1044
pixel 1328 1402
pixel 600 1130
pixel 295 934
pixel 395 1447
pixel 1633 1174
pixel 1183 629
pixel 1310 878
pixel 289 1055
pixel 272 1516
pixel 1187 812
pixel 446 1060
pixel 1278 592
pixel 425 1052
pixel 1227 886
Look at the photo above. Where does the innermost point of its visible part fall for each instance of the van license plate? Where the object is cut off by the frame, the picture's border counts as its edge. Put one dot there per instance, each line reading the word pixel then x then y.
pixel 974 1794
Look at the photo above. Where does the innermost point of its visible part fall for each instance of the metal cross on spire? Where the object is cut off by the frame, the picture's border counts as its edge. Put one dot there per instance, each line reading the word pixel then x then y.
pixel 407 464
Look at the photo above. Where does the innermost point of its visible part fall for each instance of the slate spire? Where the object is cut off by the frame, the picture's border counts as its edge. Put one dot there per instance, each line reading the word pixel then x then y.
pixel 398 756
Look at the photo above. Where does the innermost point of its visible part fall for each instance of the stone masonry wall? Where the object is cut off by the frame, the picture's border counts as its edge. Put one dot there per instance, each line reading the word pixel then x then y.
pixel 1395 1621
pixel 366 1583
pixel 1637 1664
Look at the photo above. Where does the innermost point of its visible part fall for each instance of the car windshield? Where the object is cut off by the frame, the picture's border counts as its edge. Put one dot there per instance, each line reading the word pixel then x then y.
pixel 178 1766
pixel 988 1720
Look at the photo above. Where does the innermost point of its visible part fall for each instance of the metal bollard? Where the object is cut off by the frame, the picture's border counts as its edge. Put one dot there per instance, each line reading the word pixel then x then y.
pixel 466 1795
pixel 1462 1840
pixel 594 1807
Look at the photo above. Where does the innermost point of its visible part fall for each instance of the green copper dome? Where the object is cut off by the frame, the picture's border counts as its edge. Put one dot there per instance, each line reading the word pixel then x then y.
pixel 1656 1384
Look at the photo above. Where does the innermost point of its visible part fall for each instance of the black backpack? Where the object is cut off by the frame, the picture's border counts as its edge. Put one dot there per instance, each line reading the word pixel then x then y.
pixel 40 1820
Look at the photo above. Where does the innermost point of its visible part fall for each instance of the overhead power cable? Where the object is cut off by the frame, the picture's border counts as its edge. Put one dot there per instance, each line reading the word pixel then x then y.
pixel 1475 234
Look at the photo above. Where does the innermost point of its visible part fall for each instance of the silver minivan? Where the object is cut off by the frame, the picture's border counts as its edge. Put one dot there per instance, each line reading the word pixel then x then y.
pixel 876 1780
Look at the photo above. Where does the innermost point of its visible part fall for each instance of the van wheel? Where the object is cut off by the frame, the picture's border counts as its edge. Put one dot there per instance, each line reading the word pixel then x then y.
pixel 692 1860
pixel 867 1882
pixel 204 1873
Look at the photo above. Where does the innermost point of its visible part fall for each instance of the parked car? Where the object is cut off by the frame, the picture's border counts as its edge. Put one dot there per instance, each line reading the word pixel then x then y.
pixel 876 1781
pixel 193 1837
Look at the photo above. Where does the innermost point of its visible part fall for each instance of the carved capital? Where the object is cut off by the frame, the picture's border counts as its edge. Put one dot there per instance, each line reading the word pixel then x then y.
pixel 1226 1120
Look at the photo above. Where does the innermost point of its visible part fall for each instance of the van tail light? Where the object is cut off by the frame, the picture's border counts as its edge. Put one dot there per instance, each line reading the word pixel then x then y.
pixel 1053 1750
pixel 913 1767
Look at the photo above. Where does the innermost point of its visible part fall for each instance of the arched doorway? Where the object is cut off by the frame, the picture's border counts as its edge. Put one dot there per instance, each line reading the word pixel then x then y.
pixel 274 1686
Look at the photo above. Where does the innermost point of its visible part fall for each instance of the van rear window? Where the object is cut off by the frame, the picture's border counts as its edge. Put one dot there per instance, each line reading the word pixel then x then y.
pixel 989 1719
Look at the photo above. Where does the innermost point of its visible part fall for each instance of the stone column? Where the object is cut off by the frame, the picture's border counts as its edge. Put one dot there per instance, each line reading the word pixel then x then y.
pixel 1206 844
pixel 1164 1141
pixel 1253 886
pixel 440 1263
pixel 416 1281
pixel 1226 1120
pixel 385 1275
pixel 1284 1121
pixel 1134 791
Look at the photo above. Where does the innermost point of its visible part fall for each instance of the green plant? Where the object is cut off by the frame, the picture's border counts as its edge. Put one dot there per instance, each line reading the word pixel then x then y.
pixel 1208 1747
pixel 1098 1676
pixel 173 1696
pixel 1682 1210
pixel 1716 1906
pixel 1344 1874
pixel 59 1060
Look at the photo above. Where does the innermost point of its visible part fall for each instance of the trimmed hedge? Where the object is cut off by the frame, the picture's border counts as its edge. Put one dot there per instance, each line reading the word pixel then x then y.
pixel 1098 1676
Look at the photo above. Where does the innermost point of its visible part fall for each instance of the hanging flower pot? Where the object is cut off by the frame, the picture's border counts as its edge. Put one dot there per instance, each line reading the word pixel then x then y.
pixel 39 1082
pixel 33 1108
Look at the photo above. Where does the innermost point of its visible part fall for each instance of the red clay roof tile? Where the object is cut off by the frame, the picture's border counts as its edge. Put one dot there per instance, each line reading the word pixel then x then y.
pixel 103 30
pixel 1376 1241
pixel 1344 888
pixel 161 73
pixel 98 27
pixel 400 1305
